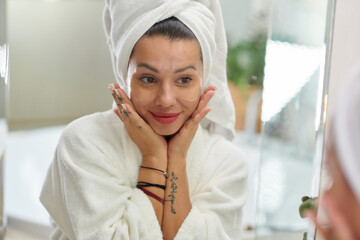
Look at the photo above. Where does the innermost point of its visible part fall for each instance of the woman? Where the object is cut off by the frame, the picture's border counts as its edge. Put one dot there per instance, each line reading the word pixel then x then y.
pixel 148 169
pixel 341 202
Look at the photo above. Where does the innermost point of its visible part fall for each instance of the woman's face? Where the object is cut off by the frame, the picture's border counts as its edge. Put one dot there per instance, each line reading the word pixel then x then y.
pixel 166 77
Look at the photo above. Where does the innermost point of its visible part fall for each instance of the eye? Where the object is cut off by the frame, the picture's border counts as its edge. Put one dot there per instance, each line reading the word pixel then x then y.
pixel 184 80
pixel 148 80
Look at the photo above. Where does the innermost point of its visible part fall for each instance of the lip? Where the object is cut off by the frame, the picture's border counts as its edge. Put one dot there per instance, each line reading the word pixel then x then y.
pixel 164 117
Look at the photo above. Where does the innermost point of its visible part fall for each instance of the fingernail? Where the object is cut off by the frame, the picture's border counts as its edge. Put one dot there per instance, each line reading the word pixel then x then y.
pixel 112 88
pixel 117 93
pixel 116 111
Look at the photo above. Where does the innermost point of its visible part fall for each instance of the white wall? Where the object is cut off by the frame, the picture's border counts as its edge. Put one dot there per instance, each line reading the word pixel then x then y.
pixel 59 62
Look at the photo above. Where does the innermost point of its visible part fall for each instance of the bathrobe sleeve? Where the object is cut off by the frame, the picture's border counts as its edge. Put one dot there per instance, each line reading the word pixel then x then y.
pixel 89 196
pixel 218 196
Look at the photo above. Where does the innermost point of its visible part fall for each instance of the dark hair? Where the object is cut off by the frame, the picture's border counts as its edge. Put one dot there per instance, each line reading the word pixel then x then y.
pixel 172 28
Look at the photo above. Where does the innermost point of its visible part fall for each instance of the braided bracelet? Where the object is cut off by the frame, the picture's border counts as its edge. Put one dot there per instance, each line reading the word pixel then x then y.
pixel 163 172
pixel 152 195
pixel 146 184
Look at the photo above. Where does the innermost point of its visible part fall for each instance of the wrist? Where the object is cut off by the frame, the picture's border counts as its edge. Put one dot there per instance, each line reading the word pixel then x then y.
pixel 179 155
pixel 156 161
pixel 176 162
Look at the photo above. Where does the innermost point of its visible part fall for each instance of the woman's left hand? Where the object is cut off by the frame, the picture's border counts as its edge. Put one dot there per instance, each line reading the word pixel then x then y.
pixel 180 142
pixel 339 229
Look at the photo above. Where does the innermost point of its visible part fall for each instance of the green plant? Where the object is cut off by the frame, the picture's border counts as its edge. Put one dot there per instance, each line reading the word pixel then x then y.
pixel 246 61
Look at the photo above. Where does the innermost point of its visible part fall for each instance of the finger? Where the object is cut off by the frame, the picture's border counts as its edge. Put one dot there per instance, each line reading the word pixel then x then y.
pixel 123 95
pixel 194 121
pixel 120 96
pixel 125 107
pixel 190 127
pixel 200 115
pixel 131 118
pixel 125 113
pixel 313 217
pixel 336 217
pixel 118 100
pixel 116 94
pixel 204 100
pixel 211 87
pixel 116 111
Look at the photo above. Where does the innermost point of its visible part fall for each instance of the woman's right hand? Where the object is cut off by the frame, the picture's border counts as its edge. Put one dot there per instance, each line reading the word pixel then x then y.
pixel 153 147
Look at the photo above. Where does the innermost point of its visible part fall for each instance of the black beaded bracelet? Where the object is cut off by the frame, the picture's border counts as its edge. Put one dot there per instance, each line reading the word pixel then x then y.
pixel 146 184
pixel 163 172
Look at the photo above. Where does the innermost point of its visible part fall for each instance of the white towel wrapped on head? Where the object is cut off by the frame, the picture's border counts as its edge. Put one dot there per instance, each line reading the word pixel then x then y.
pixel 126 22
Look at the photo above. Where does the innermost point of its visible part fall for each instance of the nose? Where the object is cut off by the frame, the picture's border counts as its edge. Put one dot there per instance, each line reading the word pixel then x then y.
pixel 166 95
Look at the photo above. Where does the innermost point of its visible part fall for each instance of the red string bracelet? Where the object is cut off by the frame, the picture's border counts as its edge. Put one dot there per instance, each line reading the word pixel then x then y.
pixel 152 195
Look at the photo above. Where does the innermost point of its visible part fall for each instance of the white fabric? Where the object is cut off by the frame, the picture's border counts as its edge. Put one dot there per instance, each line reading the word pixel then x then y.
pixel 347 131
pixel 90 190
pixel 126 21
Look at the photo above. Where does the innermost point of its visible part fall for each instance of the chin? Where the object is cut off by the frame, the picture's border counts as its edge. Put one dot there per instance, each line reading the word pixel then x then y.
pixel 165 133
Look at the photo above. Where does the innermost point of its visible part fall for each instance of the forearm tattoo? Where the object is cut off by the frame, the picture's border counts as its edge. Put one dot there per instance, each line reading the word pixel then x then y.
pixel 173 191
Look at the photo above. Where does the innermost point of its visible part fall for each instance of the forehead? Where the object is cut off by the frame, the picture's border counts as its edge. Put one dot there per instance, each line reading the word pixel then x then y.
pixel 159 50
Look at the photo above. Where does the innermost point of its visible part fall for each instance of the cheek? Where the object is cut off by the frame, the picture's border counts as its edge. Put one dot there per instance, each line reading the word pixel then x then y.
pixel 190 98
pixel 141 99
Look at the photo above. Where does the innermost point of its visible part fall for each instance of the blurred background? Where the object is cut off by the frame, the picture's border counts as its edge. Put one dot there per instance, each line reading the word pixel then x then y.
pixel 280 77
pixel 60 64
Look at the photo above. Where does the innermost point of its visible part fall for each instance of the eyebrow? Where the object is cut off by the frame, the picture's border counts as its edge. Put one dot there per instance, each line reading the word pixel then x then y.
pixel 148 67
pixel 185 68
pixel 155 70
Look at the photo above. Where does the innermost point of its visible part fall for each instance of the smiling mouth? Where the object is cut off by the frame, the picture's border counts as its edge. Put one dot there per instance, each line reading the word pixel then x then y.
pixel 165 118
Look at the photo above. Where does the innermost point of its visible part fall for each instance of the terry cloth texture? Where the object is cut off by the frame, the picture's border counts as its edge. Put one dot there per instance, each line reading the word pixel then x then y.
pixel 90 190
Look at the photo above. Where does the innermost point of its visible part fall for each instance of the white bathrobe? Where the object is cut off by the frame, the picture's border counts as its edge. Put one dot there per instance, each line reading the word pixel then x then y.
pixel 90 190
